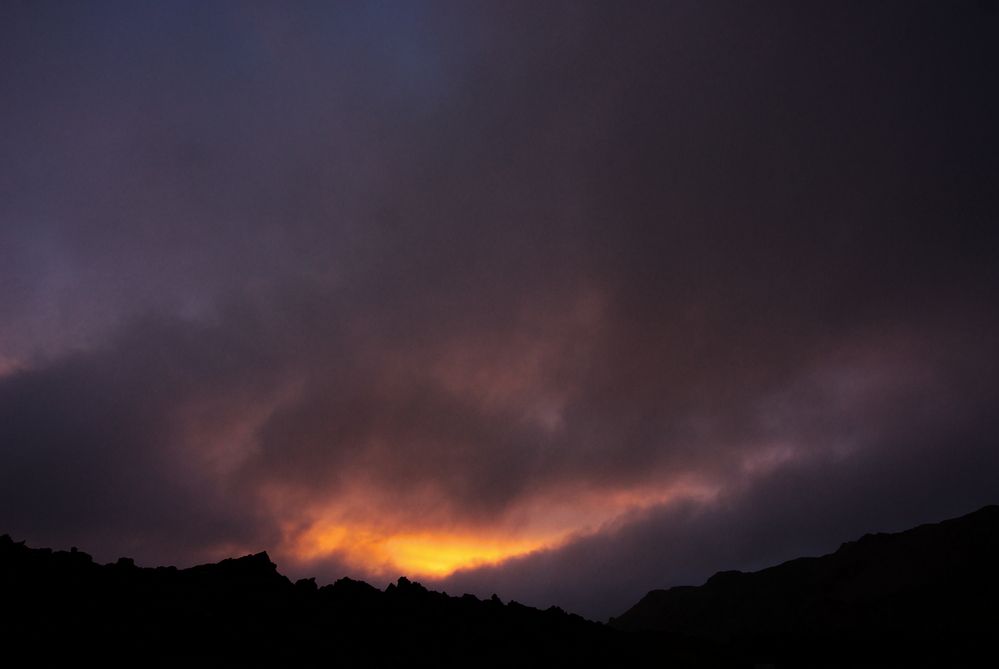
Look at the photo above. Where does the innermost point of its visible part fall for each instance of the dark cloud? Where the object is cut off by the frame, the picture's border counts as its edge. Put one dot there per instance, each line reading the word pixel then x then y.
pixel 119 447
pixel 927 468
pixel 497 268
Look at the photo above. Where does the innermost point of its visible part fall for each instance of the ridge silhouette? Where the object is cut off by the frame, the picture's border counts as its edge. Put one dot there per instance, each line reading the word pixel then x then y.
pixel 242 611
pixel 928 592
pixel 924 595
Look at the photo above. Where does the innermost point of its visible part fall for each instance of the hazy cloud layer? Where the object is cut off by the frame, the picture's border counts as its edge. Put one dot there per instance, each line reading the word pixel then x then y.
pixel 654 289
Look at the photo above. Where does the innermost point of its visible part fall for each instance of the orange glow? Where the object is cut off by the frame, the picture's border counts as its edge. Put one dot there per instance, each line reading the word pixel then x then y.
pixel 427 554
pixel 395 545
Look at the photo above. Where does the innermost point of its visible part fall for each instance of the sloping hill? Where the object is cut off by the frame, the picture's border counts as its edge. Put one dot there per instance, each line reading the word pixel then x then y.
pixel 932 589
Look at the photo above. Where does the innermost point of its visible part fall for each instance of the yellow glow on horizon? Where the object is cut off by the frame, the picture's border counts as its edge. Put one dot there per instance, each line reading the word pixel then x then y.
pixel 426 554
pixel 403 548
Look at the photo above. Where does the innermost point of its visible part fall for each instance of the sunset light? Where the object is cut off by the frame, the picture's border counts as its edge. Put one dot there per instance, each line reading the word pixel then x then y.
pixel 418 554
pixel 381 549
pixel 562 301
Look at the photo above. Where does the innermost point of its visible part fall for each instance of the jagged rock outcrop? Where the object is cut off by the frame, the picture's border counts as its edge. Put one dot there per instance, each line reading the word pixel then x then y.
pixel 922 596
pixel 243 611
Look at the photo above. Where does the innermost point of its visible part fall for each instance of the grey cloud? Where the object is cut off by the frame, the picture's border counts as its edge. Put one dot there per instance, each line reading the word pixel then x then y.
pixel 919 473
pixel 494 250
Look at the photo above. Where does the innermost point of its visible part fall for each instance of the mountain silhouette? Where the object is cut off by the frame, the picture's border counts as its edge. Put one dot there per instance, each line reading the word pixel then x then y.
pixel 243 612
pixel 930 594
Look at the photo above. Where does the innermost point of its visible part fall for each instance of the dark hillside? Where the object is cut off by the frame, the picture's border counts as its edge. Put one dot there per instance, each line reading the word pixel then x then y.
pixel 929 591
pixel 925 595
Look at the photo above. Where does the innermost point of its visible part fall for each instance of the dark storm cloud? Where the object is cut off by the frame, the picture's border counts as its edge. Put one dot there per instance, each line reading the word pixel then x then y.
pixel 468 259
pixel 917 456
pixel 103 446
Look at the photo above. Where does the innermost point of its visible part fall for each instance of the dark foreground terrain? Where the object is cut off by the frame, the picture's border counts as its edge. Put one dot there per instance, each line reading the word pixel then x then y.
pixel 926 596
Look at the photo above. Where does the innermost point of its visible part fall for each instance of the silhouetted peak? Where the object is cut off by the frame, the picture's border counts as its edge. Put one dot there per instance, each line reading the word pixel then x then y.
pixel 250 571
pixel 349 583
pixel 724 577
pixel 403 586
pixel 256 562
pixel 76 556
pixel 987 515
pixel 985 520
pixel 261 558
pixel 350 591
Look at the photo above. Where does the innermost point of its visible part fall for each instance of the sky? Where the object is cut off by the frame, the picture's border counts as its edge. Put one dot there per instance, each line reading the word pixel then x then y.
pixel 562 301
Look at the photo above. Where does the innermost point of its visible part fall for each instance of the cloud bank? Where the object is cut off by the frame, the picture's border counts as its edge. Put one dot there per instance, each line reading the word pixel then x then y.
pixel 565 303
